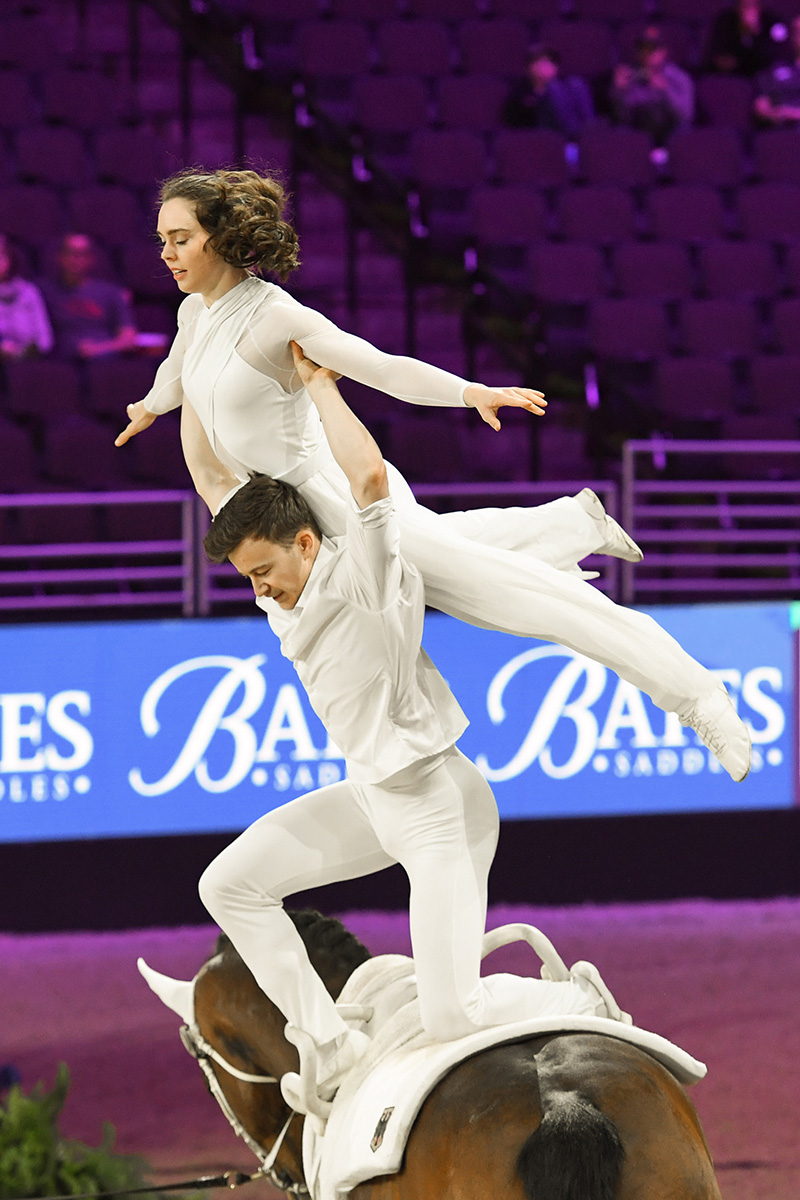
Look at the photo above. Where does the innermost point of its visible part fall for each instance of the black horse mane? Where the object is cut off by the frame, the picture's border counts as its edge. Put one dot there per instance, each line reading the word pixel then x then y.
pixel 333 950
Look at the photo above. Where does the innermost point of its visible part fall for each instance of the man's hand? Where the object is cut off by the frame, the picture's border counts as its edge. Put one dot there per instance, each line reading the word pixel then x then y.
pixel 309 371
pixel 139 418
pixel 487 400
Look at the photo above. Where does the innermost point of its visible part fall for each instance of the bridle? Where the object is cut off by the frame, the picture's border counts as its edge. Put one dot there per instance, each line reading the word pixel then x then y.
pixel 202 1050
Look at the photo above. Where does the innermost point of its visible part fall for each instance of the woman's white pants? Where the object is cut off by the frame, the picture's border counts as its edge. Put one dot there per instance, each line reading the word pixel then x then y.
pixel 515 569
pixel 438 819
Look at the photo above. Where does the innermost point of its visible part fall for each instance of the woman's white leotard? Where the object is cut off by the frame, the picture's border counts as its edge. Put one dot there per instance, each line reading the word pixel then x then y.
pixel 506 569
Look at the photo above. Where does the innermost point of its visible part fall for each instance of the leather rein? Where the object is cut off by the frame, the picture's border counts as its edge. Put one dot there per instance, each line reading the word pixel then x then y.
pixel 202 1051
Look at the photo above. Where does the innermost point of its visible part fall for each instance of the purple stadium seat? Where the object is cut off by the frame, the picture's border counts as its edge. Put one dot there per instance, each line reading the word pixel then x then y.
pixel 527 10
pixel 144 272
pixel 16 99
pixel 449 158
pixel 768 427
pixel 158 460
pixel 510 215
pixel 390 103
pixel 364 10
pixel 601 214
pixel 688 10
pixel 738 270
pixel 31 213
pixel 770 210
pixel 109 212
pixel 613 154
pixel 42 388
pixel 586 47
pixel 653 270
pixel 686 212
pixel 80 98
pixel 777 155
pixel 723 328
pixel 774 380
pixel 52 155
pixel 566 273
pixel 533 156
pixel 793 266
pixel 416 47
pixel 706 155
pixel 611 10
pixel 632 330
pixel 786 317
pixel 471 101
pixel 443 10
pixel 426 446
pixel 80 451
pixel 327 48
pixel 20 465
pixel 28 42
pixel 694 389
pixel 130 156
pixel 114 383
pixel 725 100
pixel 498 46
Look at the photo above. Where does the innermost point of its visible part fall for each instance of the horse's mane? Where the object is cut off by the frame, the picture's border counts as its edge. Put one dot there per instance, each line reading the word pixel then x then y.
pixel 333 950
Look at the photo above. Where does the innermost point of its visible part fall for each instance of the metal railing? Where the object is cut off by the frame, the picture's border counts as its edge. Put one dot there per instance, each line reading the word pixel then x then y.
pixel 98 572
pixel 736 533
pixel 733 531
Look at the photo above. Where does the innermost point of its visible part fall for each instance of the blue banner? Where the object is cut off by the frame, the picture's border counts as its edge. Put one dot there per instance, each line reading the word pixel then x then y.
pixel 164 727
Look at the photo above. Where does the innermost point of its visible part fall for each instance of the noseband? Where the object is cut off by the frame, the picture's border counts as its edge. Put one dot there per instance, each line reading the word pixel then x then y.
pixel 202 1050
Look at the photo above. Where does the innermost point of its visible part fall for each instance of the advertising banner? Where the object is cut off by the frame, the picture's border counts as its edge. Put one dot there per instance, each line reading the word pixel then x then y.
pixel 130 728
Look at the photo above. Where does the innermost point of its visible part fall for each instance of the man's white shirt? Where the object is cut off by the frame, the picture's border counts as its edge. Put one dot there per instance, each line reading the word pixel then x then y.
pixel 354 638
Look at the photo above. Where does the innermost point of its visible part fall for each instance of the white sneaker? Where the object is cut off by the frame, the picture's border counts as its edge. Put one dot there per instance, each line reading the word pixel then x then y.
pixel 616 541
pixel 720 728
pixel 607 1006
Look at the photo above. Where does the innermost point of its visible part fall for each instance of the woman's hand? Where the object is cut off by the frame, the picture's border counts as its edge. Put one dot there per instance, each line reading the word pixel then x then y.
pixel 308 370
pixel 139 418
pixel 487 400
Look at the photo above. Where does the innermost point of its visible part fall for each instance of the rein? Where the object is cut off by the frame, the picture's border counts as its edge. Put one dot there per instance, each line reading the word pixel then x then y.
pixel 230 1179
pixel 202 1051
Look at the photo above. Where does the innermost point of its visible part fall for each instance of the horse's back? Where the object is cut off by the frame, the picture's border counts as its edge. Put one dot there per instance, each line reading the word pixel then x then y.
pixel 569 1117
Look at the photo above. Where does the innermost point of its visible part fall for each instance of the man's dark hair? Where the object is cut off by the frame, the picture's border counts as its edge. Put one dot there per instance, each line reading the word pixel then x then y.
pixel 264 508
pixel 541 50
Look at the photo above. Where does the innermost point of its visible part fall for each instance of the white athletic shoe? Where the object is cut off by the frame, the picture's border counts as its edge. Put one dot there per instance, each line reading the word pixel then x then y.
pixel 616 541
pixel 607 1005
pixel 720 728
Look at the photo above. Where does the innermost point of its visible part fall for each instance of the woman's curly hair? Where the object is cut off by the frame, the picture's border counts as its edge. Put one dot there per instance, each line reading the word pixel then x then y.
pixel 242 211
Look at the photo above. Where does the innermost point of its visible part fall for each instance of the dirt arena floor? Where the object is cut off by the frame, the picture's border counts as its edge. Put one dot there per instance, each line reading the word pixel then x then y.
pixel 720 979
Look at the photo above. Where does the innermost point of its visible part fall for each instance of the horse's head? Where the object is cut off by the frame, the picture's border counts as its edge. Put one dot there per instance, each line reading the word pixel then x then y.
pixel 245 1029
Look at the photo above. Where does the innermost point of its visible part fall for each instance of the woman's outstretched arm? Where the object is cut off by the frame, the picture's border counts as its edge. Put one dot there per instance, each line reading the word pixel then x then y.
pixel 211 479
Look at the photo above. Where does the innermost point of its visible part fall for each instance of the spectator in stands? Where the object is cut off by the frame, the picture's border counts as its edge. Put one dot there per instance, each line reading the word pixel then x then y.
pixel 777 101
pixel 24 323
pixel 653 93
pixel 745 39
pixel 546 99
pixel 91 317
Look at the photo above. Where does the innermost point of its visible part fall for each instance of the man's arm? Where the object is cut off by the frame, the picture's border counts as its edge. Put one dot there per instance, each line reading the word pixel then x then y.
pixel 211 479
pixel 353 446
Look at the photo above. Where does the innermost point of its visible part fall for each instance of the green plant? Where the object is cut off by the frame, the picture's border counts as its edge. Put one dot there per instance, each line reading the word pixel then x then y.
pixel 35 1160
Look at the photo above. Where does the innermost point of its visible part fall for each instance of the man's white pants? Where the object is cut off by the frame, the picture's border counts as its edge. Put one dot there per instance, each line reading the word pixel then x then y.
pixel 513 569
pixel 438 819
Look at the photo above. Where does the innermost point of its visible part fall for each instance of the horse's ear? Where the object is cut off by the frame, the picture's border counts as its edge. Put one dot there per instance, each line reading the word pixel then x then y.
pixel 177 994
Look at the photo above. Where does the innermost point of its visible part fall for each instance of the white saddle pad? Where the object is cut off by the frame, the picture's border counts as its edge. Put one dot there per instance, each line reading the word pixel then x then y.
pixel 378 1102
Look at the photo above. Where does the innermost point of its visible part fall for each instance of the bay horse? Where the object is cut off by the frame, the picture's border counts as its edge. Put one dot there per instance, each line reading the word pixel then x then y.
pixel 571 1116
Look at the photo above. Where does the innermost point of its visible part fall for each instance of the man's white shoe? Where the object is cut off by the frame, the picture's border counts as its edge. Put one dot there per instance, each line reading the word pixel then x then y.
pixel 607 1006
pixel 616 541
pixel 720 728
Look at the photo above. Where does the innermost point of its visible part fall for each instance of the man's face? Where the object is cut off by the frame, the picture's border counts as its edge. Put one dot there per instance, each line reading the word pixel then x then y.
pixel 542 71
pixel 275 571
pixel 76 259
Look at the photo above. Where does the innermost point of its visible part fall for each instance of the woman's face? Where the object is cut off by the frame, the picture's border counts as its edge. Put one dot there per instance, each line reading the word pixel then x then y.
pixel 194 267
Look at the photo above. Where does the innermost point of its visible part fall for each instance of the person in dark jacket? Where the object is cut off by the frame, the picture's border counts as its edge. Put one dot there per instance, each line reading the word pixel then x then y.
pixel 546 99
